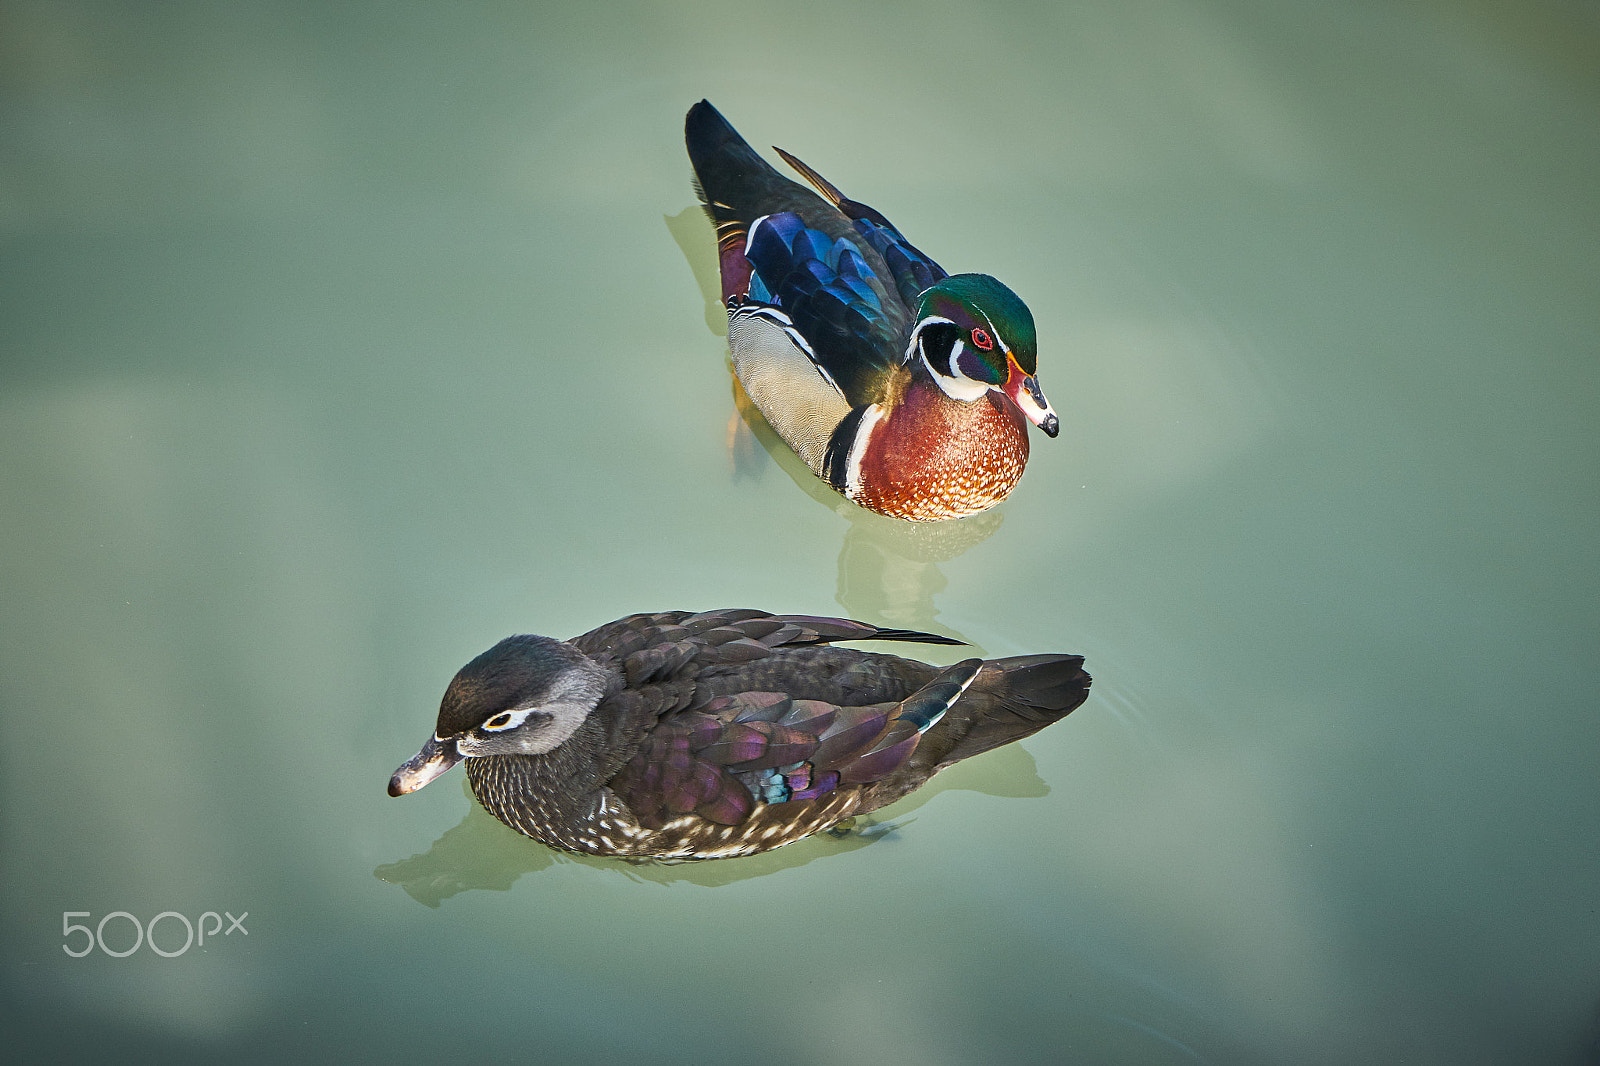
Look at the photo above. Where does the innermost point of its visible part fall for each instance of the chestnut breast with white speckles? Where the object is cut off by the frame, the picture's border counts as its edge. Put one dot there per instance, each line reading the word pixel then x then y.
pixel 933 457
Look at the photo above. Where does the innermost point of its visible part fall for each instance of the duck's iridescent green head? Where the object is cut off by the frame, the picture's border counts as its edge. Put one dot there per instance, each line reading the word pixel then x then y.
pixel 975 336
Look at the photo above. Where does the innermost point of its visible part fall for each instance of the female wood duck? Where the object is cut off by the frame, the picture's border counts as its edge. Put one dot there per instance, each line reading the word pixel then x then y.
pixel 903 387
pixel 683 736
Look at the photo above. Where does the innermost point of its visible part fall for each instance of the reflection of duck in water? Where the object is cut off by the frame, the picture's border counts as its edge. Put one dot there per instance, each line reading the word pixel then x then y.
pixel 904 388
pixel 693 736
pixel 888 569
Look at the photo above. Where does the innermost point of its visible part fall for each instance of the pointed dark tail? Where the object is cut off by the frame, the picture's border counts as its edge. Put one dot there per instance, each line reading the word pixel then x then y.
pixel 735 184
pixel 1029 693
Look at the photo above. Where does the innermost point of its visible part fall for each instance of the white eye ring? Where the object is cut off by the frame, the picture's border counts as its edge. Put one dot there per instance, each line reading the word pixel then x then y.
pixel 505 720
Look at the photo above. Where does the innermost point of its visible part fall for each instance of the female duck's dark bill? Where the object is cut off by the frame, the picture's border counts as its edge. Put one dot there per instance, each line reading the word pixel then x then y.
pixel 435 758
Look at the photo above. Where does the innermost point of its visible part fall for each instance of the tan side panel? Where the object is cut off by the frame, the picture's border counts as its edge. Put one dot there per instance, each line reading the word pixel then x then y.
pixel 800 404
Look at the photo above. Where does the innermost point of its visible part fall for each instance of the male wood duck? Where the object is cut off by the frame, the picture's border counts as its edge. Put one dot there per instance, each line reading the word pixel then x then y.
pixel 905 388
pixel 682 736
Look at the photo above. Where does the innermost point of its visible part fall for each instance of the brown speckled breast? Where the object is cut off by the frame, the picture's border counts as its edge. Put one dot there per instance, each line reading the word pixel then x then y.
pixel 935 458
pixel 609 828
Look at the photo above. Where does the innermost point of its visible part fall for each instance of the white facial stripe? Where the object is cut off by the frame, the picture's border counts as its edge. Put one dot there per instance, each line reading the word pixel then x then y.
pixel 995 332
pixel 916 335
pixel 512 719
pixel 951 381
pixel 561 720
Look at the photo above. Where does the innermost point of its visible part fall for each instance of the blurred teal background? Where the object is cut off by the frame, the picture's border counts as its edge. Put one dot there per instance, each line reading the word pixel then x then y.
pixel 339 341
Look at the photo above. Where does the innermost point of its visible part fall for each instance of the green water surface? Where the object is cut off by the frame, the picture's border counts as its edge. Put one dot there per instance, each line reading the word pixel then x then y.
pixel 339 341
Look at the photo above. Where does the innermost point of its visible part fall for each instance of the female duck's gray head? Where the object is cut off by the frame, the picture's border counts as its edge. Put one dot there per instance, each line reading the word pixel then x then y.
pixel 976 338
pixel 524 696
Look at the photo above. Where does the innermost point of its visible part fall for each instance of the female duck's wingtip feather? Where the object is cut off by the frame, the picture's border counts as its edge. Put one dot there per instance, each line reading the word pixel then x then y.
pixel 824 630
pixel 917 637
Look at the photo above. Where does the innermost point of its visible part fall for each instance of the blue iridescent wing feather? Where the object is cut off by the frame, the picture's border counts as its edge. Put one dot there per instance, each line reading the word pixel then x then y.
pixel 834 298
pixel 845 277
pixel 911 270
